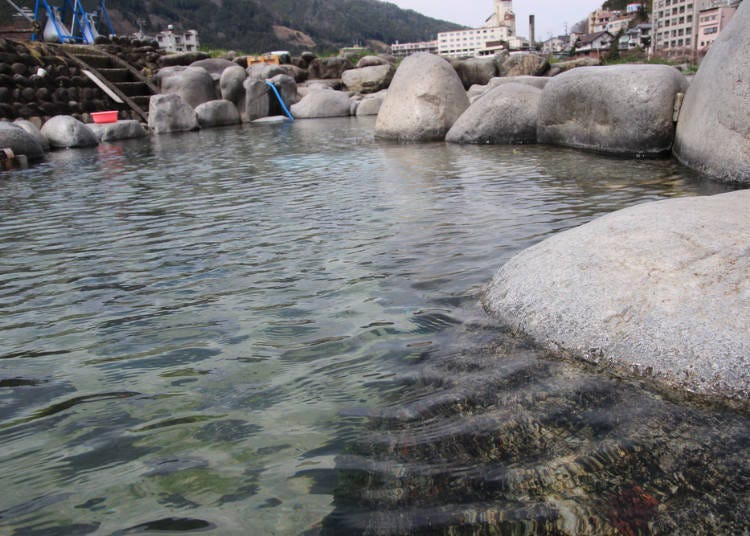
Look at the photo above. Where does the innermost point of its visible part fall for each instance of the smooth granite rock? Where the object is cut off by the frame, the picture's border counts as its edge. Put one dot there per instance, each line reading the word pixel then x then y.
pixel 329 68
pixel 476 71
pixel 525 64
pixel 217 113
pixel 370 105
pixel 624 109
pixel 64 131
pixel 170 113
pixel 372 61
pixel 20 141
pixel 120 130
pixel 424 100
pixel 231 86
pixel 214 66
pixel 713 130
pixel 504 115
pixel 322 103
pixel 32 129
pixel 369 79
pixel 181 58
pixel 659 289
pixel 286 87
pixel 194 84
pixel 257 99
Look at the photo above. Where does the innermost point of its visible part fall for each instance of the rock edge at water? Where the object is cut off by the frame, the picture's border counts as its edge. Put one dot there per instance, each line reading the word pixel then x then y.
pixel 658 289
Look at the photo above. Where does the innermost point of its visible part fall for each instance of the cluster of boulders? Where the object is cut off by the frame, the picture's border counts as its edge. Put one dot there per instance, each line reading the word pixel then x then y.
pixel 36 83
pixel 625 110
pixel 220 91
pixel 25 138
pixel 661 289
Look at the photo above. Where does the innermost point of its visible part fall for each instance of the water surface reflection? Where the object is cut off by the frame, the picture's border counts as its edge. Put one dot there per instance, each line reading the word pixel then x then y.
pixel 276 329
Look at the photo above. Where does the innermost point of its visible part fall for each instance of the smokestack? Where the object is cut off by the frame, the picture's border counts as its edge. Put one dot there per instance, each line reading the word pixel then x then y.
pixel 532 40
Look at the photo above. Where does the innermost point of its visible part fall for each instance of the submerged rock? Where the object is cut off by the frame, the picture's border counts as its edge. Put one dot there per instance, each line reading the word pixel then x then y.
pixel 713 131
pixel 660 288
pixel 64 131
pixel 424 100
pixel 624 109
pixel 505 115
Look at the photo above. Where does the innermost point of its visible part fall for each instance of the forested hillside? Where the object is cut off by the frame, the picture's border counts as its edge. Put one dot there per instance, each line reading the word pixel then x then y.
pixel 255 26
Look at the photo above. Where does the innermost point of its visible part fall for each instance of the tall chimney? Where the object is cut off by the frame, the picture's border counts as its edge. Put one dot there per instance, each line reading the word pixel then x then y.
pixel 532 40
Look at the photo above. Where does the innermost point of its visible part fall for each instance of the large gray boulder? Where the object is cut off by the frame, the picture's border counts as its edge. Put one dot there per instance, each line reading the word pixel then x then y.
pixel 624 109
pixel 217 113
pixel 181 58
pixel 193 84
pixel 329 68
pixel 713 130
pixel 170 113
pixel 476 71
pixel 19 141
pixel 264 71
pixel 477 91
pixel 214 66
pixel 525 64
pixel 505 115
pixel 257 99
pixel 120 130
pixel 370 105
pixel 286 87
pixel 372 61
pixel 658 289
pixel 231 86
pixel 424 100
pixel 563 66
pixel 64 131
pixel 32 129
pixel 322 103
pixel 539 82
pixel 369 79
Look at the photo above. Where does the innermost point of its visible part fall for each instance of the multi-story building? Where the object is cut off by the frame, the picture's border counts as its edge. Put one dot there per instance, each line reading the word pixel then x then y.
pixel 677 28
pixel 172 41
pixel 711 21
pixel 674 26
pixel 401 50
pixel 499 27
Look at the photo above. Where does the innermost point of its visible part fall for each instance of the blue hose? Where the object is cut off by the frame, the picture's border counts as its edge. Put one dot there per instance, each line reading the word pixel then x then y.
pixel 281 101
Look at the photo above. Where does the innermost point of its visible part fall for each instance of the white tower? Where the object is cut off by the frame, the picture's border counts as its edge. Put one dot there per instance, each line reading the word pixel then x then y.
pixel 504 15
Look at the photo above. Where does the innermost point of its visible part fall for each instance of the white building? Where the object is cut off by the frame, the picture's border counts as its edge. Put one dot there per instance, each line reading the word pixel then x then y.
pixel 401 50
pixel 172 41
pixel 500 27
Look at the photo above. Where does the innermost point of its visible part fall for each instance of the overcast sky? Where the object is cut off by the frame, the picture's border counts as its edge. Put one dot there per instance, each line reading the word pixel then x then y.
pixel 551 15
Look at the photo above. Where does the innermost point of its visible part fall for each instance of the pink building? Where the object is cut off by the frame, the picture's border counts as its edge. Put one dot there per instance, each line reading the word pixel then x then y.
pixel 711 22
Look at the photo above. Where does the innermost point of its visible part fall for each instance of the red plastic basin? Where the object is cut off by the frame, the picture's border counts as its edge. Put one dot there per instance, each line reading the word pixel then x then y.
pixel 104 117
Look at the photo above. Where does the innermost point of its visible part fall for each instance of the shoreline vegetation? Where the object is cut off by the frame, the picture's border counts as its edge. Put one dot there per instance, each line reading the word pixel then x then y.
pixel 664 291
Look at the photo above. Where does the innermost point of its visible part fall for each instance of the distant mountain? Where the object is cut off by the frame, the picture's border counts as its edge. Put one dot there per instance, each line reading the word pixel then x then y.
pixel 295 25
